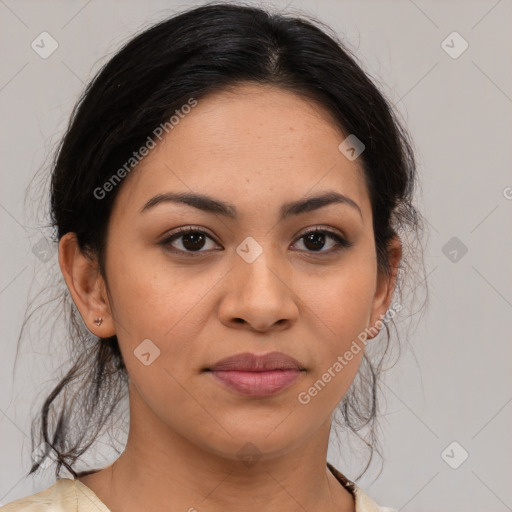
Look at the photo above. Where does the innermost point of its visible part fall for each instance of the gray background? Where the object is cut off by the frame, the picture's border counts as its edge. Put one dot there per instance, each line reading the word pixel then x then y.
pixel 453 381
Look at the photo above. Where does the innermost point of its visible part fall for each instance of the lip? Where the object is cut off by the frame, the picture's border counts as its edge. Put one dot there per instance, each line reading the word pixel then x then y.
pixel 257 376
pixel 248 362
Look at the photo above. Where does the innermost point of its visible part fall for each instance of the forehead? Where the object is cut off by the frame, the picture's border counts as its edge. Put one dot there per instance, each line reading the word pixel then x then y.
pixel 252 145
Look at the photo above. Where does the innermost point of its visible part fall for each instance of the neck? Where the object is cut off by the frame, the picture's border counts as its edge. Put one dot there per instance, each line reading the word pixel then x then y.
pixel 162 470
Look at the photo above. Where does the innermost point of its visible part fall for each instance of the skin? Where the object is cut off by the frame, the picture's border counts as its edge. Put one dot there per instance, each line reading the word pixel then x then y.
pixel 255 147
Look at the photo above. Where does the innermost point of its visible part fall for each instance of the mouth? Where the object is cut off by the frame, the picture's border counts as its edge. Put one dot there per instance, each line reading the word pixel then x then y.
pixel 257 376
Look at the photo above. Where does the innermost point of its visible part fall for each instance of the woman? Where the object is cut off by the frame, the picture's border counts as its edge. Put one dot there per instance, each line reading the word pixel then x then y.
pixel 227 201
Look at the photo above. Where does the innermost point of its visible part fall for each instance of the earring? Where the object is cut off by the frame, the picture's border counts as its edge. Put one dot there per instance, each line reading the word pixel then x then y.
pixel 98 321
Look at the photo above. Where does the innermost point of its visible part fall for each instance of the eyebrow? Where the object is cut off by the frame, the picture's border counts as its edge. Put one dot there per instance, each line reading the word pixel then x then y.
pixel 212 205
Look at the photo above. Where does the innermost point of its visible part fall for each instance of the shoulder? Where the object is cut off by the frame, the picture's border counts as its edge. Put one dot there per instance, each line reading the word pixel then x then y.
pixel 65 495
pixel 61 497
pixel 363 503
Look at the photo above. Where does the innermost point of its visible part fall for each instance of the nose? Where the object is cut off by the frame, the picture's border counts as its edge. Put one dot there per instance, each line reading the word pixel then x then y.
pixel 258 296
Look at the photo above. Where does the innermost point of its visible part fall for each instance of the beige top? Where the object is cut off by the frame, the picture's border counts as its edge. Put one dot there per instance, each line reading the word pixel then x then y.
pixel 71 495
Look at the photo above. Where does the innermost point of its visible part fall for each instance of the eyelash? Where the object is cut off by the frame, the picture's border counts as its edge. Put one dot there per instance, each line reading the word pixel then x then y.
pixel 341 243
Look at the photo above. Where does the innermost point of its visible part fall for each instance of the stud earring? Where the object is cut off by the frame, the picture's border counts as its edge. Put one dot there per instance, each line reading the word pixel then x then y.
pixel 98 321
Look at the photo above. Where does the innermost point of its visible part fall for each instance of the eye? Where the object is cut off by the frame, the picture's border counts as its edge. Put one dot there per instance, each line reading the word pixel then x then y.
pixel 193 240
pixel 315 240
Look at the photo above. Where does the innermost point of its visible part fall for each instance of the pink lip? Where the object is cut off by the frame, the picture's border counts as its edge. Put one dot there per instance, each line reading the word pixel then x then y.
pixel 257 376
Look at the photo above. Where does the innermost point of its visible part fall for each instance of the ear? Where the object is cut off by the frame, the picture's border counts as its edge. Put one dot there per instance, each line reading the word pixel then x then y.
pixel 385 286
pixel 86 286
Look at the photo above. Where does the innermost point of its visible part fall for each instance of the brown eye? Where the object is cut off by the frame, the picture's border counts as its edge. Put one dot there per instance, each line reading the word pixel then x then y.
pixel 315 241
pixel 191 240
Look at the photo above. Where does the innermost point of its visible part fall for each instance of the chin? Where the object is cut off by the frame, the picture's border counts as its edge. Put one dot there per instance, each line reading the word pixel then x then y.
pixel 253 441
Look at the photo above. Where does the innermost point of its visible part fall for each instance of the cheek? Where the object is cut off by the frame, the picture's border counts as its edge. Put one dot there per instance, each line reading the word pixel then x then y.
pixel 344 303
pixel 151 298
pixel 340 314
pixel 158 302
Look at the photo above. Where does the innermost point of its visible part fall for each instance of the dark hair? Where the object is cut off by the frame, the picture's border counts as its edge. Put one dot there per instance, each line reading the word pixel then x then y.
pixel 190 55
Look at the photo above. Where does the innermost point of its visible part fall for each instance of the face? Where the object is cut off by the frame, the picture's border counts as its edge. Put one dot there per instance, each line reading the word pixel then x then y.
pixel 251 279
